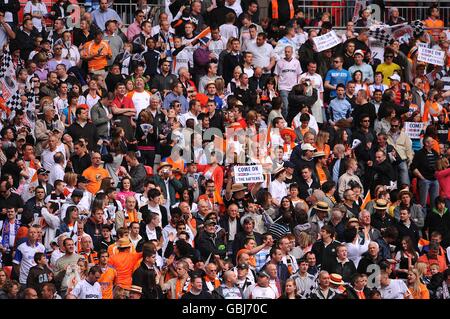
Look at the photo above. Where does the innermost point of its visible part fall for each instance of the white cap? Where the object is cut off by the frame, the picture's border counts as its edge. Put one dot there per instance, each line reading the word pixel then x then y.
pixel 395 77
pixel 307 147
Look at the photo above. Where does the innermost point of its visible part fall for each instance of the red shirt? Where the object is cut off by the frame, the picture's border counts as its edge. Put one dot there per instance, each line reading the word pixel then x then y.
pixel 124 103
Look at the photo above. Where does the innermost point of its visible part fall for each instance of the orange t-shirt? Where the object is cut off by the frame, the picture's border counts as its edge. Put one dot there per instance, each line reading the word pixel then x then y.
pixel 98 62
pixel 322 176
pixel 112 249
pixel 124 263
pixel 95 176
pixel 435 27
pixel 106 281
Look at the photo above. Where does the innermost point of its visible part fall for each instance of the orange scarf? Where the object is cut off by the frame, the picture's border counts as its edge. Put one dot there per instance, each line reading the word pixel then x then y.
pixel 180 291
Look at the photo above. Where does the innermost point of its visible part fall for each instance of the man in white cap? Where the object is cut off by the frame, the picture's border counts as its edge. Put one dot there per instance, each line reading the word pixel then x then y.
pixel 360 65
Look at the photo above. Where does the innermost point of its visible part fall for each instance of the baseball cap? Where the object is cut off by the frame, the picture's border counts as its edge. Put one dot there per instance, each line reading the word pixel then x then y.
pixel 77 193
pixel 42 171
pixel 307 147
pixel 359 52
pixel 395 77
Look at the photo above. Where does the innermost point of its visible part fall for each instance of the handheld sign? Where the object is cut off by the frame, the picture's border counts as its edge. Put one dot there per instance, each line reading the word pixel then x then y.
pixel 431 56
pixel 326 41
pixel 246 174
pixel 413 129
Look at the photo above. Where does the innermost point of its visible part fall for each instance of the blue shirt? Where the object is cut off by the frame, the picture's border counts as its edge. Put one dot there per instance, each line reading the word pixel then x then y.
pixel 340 109
pixel 172 97
pixel 100 18
pixel 336 77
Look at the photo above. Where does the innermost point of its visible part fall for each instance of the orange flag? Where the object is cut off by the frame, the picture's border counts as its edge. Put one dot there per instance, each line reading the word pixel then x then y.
pixel 367 199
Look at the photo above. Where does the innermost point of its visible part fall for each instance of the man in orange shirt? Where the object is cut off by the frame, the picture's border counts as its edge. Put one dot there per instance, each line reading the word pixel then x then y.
pixel 124 262
pixel 96 53
pixel 433 22
pixel 95 173
pixel 109 276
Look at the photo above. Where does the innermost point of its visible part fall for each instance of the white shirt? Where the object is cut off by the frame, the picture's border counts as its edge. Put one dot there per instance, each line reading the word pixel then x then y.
pixel 47 159
pixel 316 80
pixel 278 190
pixel 257 292
pixel 186 116
pixel 91 101
pixel 261 55
pixel 395 290
pixel 141 100
pixel 288 73
pixel 229 31
pixel 151 234
pixel 84 290
pixel 355 251
pixel 36 8
pixel 218 46
pixel 233 228
pixel 25 258
pixel 57 172
pixel 181 60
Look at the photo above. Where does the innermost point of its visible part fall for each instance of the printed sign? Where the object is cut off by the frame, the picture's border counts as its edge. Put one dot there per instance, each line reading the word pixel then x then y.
pixel 431 56
pixel 414 129
pixel 248 174
pixel 326 41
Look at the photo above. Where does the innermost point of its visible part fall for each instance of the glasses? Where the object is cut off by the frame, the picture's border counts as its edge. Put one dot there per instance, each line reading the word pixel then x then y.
pixel 389 57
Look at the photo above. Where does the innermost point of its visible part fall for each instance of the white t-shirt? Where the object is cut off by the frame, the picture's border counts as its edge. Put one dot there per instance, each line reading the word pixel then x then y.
pixel 256 292
pixel 181 60
pixel 91 101
pixel 229 31
pixel 57 172
pixel 261 55
pixel 141 101
pixel 35 9
pixel 288 73
pixel 25 258
pixel 84 290
pixel 316 80
pixel 218 46
pixel 395 290
pixel 278 190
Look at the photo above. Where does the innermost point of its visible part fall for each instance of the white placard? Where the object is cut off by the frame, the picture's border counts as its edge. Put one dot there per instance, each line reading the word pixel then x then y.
pixel 414 129
pixel 326 41
pixel 431 56
pixel 248 174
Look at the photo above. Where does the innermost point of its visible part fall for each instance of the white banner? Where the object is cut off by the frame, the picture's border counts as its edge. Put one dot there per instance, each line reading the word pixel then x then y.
pixel 327 41
pixel 431 56
pixel 414 129
pixel 248 174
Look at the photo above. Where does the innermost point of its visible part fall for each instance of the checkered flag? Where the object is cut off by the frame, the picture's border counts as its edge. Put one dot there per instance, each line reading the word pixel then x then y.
pixel 381 34
pixel 14 101
pixel 418 28
pixel 7 66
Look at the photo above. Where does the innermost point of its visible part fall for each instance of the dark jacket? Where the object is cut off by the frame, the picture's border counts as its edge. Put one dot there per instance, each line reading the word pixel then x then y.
pixel 422 162
pixel 412 231
pixel 88 132
pixel 230 61
pixel 174 187
pixel 380 223
pixel 434 222
pixel 346 269
pixel 141 278
pixel 210 244
pixel 37 277
pixel 164 216
pixel 223 222
pixel 305 189
pixel 239 239
pixel 365 109
pixel 100 120
pixel 295 101
pixel 367 260
pixel 324 255
pixel 138 175
pixel 95 231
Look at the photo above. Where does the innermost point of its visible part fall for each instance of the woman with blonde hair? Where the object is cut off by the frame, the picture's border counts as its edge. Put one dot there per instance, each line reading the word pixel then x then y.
pixel 321 144
pixel 422 270
pixel 71 180
pixel 220 91
pixel 418 289
pixel 234 83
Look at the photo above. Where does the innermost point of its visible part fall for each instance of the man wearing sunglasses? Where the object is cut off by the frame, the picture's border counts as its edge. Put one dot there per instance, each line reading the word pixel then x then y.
pixel 388 67
pixel 336 75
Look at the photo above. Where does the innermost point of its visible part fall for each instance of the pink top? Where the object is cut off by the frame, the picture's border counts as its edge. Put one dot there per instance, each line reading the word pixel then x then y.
pixel 443 178
pixel 122 196
pixel 133 30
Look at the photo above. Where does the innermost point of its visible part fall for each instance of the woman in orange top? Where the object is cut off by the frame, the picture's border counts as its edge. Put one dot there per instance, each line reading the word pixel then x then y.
pixel 432 107
pixel 418 289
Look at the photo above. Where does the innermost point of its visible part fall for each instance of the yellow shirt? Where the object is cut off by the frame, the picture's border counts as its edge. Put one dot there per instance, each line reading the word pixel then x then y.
pixel 387 71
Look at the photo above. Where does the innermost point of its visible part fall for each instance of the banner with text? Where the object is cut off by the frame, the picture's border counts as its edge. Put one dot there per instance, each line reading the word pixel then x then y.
pixel 431 56
pixel 327 41
pixel 414 129
pixel 248 174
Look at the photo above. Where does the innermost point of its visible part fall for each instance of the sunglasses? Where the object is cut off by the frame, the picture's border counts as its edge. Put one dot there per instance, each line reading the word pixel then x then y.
pixel 389 57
